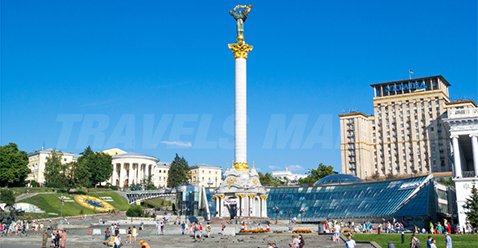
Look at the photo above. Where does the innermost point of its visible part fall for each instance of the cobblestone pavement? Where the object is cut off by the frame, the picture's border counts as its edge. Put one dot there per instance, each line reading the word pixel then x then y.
pixel 77 231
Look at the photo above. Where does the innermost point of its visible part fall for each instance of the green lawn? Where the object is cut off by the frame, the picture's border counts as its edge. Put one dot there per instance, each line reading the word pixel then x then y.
pixel 158 203
pixel 51 203
pixel 459 241
pixel 22 190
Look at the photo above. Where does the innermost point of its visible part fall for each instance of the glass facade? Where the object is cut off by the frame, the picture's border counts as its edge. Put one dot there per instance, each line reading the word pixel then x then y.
pixel 405 197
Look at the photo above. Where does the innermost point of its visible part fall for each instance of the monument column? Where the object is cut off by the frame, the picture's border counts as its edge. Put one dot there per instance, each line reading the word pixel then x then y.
pixel 240 52
pixel 474 144
pixel 456 156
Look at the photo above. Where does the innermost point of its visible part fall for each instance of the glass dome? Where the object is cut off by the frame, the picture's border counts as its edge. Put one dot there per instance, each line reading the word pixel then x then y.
pixel 338 179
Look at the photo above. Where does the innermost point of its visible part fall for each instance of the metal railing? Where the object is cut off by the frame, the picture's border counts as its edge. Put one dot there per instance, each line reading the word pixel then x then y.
pixel 460 113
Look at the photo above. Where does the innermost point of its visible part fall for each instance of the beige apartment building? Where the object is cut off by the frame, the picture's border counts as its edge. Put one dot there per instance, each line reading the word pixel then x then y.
pixel 404 136
pixel 37 162
pixel 206 175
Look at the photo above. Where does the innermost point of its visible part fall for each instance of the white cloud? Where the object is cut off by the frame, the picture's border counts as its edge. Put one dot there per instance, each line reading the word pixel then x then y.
pixel 274 167
pixel 295 168
pixel 177 143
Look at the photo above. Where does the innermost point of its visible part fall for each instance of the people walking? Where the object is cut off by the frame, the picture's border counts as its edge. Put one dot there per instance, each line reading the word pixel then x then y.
pixel 117 241
pixel 134 234
pixel 433 244
pixel 414 242
pixel 302 242
pixel 350 243
pixel 448 241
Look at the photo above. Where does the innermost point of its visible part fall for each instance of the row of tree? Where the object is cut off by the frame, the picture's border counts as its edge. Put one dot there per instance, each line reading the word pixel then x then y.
pixel 89 170
pixel 312 177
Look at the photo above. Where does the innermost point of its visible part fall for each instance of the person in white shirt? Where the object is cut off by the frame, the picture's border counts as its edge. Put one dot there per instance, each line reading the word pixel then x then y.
pixel 350 243
pixel 117 241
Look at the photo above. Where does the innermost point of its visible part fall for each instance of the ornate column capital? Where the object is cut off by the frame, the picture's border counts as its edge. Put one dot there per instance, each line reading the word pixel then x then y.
pixel 251 195
pixel 473 135
pixel 240 50
pixel 264 197
pixel 454 136
pixel 241 166
pixel 240 196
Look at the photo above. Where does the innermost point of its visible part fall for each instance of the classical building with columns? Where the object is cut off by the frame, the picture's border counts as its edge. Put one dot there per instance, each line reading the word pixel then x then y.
pixel 462 119
pixel 132 168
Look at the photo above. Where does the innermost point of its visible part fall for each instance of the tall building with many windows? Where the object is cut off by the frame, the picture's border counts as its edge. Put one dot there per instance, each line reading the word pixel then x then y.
pixel 207 176
pixel 404 136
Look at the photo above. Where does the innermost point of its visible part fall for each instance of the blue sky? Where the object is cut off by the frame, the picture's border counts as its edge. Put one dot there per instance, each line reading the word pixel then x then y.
pixel 156 77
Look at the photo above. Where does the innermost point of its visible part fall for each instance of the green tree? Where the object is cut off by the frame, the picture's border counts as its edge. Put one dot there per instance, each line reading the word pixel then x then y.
pixel 82 171
pixel 55 171
pixel 135 211
pixel 13 165
pixel 148 184
pixel 471 205
pixel 178 173
pixel 102 169
pixel 268 180
pixel 314 175
pixel 7 196
pixel 93 168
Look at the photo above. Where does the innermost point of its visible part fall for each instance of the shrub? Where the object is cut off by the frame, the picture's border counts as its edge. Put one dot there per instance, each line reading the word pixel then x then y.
pixel 134 211
pixel 7 196
pixel 302 230
pixel 254 231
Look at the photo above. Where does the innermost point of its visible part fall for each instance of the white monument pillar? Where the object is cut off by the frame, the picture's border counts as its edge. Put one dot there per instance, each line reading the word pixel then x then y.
pixel 474 143
pixel 456 156
pixel 240 51
pixel 240 121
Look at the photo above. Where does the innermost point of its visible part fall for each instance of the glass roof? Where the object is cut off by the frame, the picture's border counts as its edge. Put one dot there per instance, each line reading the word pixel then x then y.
pixel 338 179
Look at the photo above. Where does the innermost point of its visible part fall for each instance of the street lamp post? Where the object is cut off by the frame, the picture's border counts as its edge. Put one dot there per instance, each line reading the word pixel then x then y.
pixel 276 210
pixel 302 211
pixel 62 204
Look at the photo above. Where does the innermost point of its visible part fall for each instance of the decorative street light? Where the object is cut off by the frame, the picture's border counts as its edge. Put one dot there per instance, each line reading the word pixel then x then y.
pixel 62 204
pixel 277 211
pixel 289 213
pixel 302 211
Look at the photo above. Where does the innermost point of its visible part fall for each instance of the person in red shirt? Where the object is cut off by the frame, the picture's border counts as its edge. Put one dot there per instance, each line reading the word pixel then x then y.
pixel 449 228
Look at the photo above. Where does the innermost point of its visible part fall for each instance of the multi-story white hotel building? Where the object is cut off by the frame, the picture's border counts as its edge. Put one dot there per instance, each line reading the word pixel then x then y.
pixel 404 136
pixel 37 161
pixel 206 175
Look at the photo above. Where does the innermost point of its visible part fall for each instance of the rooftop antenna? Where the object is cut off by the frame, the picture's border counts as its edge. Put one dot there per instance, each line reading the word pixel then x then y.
pixel 410 73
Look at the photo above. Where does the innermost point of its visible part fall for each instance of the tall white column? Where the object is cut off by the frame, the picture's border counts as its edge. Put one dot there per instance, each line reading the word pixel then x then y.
pixel 456 156
pixel 240 52
pixel 122 175
pixel 113 177
pixel 241 111
pixel 474 143
pixel 130 174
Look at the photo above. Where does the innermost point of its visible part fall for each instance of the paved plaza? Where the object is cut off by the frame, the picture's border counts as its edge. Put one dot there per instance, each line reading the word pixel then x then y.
pixel 78 236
